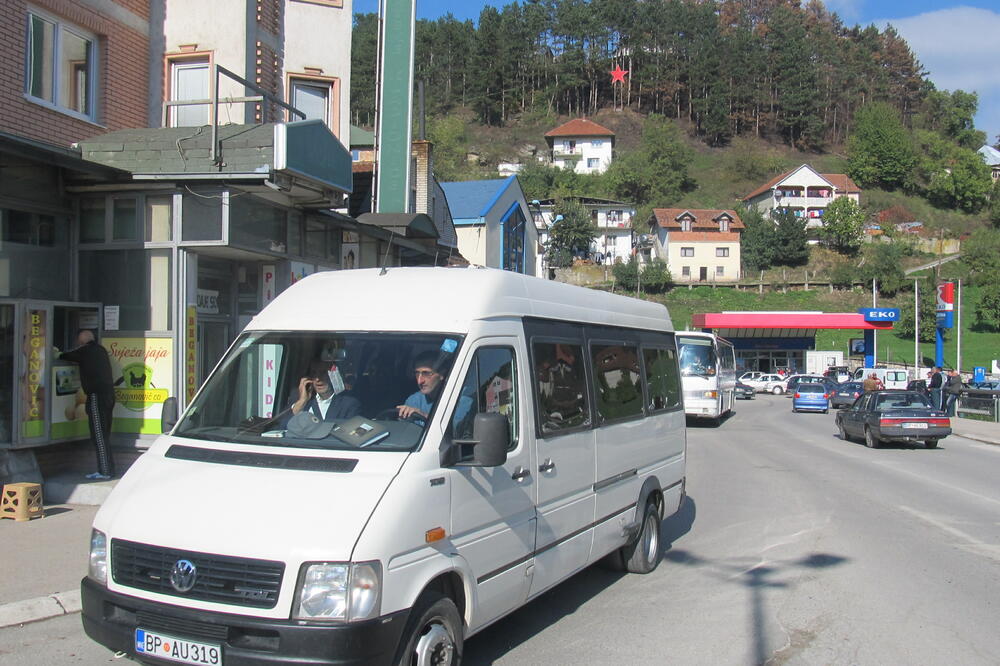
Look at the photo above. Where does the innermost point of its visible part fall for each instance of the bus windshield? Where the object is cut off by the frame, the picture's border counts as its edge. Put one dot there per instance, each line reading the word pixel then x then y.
pixel 323 390
pixel 697 357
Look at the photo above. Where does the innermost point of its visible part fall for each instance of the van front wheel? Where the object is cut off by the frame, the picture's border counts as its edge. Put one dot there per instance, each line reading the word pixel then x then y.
pixel 434 633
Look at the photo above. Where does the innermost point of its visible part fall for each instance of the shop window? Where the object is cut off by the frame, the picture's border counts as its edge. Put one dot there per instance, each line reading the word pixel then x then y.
pixel 561 389
pixel 617 384
pixel 124 220
pixel 92 220
pixel 255 225
pixel 34 255
pixel 295 235
pixel 189 80
pixel 315 245
pixel 137 281
pixel 60 66
pixel 159 219
pixel 201 215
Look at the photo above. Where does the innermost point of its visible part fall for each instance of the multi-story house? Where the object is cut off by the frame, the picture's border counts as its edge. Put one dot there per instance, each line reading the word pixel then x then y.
pixel 804 192
pixel 581 145
pixel 612 219
pixel 698 245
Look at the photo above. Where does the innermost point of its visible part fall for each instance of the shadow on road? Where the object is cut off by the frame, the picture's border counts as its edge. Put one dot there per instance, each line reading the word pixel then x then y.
pixel 757 579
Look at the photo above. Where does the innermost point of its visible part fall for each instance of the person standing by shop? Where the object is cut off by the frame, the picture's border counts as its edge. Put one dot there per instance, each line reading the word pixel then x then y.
pixel 95 378
pixel 935 383
pixel 952 388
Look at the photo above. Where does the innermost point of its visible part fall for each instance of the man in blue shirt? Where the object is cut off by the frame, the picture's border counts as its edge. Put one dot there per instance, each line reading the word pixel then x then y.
pixel 428 372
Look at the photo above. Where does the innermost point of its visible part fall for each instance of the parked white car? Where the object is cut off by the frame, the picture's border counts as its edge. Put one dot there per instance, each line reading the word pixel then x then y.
pixel 767 384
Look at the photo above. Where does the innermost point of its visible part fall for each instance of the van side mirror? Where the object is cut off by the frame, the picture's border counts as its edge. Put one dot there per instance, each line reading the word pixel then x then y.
pixel 168 416
pixel 492 434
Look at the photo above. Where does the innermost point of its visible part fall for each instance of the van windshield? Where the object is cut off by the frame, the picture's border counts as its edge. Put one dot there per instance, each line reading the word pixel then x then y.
pixel 369 390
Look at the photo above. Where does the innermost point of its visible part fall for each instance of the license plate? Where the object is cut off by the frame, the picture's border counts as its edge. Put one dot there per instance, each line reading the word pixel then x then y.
pixel 918 426
pixel 177 649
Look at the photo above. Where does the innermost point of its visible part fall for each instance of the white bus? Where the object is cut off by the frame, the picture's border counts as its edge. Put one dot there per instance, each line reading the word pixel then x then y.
pixel 708 374
pixel 374 473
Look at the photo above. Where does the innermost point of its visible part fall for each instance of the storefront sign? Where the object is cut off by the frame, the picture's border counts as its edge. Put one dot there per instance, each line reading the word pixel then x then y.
pixel 143 370
pixel 208 301
pixel 191 354
pixel 267 284
pixel 300 270
pixel 69 404
pixel 34 396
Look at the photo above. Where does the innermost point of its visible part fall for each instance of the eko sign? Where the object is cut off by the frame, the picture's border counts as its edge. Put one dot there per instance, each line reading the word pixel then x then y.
pixel 946 305
pixel 880 314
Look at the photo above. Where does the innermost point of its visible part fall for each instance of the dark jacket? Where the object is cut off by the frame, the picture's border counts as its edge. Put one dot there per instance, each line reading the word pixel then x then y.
pixel 95 368
pixel 936 381
pixel 954 384
pixel 343 406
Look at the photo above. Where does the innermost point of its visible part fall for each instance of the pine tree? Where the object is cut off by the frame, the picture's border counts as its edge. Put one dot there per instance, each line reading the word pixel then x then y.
pixel 791 243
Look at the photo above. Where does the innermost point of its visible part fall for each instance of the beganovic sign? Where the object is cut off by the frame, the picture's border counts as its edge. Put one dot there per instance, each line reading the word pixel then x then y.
pixel 34 350
pixel 143 371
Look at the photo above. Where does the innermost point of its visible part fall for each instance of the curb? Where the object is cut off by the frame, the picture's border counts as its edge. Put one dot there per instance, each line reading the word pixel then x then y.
pixel 40 608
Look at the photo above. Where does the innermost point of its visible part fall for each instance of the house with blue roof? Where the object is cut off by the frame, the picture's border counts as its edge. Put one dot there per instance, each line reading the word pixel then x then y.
pixel 493 223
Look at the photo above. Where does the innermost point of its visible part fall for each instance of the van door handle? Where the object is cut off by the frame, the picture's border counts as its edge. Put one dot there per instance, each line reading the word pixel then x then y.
pixel 520 473
pixel 547 466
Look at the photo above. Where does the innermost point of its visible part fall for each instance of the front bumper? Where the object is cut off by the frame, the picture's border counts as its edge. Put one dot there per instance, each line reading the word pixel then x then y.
pixel 111 619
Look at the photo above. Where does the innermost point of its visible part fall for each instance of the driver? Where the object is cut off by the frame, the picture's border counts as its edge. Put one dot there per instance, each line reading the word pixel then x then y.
pixel 428 371
pixel 316 394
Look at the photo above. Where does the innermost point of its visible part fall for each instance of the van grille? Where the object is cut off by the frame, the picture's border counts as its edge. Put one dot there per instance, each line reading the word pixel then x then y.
pixel 221 579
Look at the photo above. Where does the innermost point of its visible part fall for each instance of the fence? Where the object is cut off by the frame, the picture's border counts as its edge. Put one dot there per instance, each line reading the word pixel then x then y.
pixel 979 405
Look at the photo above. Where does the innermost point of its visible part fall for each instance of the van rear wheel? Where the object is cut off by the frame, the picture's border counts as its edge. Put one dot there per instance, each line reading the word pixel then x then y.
pixel 433 634
pixel 643 555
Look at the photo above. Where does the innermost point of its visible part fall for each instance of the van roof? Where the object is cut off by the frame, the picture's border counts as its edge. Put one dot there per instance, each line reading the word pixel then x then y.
pixel 443 300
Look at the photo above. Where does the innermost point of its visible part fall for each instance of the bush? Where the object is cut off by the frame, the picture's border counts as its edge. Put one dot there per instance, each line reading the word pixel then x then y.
pixel 655 276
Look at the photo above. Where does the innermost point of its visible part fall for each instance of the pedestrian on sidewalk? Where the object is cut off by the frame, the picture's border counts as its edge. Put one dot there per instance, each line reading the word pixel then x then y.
pixel 95 378
pixel 952 389
pixel 935 384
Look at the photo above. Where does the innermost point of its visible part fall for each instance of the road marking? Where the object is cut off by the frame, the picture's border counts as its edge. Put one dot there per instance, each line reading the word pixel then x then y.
pixel 972 544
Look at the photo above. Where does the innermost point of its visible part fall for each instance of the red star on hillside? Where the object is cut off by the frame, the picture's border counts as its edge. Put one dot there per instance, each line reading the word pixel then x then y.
pixel 618 74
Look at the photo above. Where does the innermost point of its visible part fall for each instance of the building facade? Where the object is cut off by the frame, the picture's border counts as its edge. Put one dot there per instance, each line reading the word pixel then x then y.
pixel 493 223
pixel 804 192
pixel 612 219
pixel 699 245
pixel 581 145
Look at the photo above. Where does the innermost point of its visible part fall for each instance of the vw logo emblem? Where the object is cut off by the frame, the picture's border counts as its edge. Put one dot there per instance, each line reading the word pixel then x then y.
pixel 183 575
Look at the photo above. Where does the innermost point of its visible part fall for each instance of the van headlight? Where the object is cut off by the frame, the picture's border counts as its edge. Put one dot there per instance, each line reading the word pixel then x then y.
pixel 98 569
pixel 338 591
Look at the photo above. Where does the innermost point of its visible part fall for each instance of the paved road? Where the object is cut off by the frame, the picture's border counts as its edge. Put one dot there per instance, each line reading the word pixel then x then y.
pixel 795 547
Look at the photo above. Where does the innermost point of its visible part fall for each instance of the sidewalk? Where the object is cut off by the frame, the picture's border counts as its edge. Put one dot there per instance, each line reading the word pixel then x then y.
pixel 44 559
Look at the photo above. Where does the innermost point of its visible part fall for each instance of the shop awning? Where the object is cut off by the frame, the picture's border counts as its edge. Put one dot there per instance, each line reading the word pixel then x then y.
pixel 782 324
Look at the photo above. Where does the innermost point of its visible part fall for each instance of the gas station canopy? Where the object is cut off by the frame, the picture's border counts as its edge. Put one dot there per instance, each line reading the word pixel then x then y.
pixel 782 324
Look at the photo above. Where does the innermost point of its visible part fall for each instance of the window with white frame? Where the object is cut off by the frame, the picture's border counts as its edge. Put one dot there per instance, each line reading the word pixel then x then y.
pixel 189 80
pixel 60 65
pixel 722 251
pixel 593 162
pixel 311 97
pixel 723 224
pixel 686 224
pixel 687 251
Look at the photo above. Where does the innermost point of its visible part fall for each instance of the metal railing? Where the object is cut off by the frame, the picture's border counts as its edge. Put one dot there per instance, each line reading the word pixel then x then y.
pixel 213 101
pixel 981 405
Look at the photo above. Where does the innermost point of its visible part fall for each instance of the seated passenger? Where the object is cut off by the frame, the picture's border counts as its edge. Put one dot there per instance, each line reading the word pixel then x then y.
pixel 429 371
pixel 317 394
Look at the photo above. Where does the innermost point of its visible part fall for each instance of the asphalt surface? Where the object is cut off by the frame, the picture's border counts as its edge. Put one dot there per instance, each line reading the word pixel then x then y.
pixel 794 547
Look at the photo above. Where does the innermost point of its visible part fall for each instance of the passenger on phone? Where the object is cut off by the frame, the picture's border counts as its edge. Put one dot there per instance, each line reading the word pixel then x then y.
pixel 316 394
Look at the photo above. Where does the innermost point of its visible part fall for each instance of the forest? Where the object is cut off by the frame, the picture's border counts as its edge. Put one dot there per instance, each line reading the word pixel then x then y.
pixel 774 69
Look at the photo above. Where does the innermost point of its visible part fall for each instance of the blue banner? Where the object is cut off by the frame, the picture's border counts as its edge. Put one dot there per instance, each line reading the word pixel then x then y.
pixel 880 314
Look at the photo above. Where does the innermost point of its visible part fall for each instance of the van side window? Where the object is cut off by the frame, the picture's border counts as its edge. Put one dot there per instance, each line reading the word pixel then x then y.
pixel 617 381
pixel 662 381
pixel 562 386
pixel 491 383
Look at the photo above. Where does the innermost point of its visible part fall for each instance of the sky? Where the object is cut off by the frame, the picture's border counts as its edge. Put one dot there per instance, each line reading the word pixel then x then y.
pixel 958 43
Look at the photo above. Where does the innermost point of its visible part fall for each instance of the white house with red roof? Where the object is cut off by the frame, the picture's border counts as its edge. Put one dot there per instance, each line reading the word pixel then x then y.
pixel 581 145
pixel 699 245
pixel 804 192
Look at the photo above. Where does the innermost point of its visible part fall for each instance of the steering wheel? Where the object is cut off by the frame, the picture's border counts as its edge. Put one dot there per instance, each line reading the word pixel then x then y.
pixel 390 414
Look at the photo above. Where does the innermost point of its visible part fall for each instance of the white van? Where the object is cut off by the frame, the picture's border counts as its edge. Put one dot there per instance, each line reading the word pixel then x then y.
pixel 891 378
pixel 257 533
